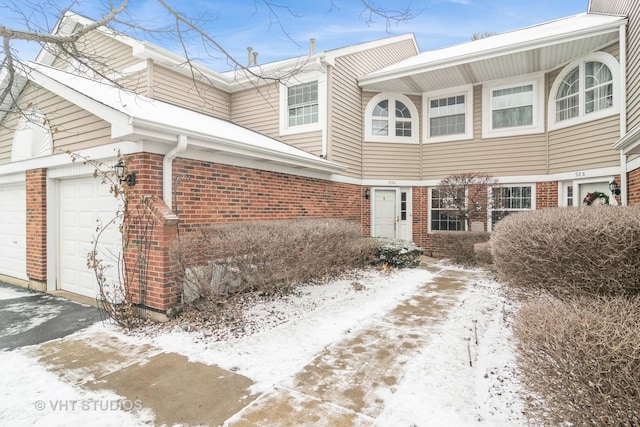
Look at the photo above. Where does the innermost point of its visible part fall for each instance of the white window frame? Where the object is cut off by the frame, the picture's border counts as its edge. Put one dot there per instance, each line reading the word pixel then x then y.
pixel 430 209
pixel 537 126
pixel 490 204
pixel 583 117
pixel 392 97
pixel 300 79
pixel 467 91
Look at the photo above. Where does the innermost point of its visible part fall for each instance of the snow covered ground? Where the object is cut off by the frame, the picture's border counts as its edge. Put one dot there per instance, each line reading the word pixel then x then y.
pixel 438 386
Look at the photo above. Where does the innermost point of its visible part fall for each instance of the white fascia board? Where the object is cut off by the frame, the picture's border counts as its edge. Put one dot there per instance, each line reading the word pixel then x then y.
pixel 395 71
pixel 146 129
pixel 629 141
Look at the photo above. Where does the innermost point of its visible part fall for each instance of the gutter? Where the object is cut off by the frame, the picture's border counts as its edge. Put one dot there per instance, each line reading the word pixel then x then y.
pixel 167 172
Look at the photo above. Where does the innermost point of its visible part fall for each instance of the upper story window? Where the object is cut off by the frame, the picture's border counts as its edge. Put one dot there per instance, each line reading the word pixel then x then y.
pixel 585 90
pixel 391 118
pixel 513 108
pixel 302 104
pixel 449 114
pixel 32 137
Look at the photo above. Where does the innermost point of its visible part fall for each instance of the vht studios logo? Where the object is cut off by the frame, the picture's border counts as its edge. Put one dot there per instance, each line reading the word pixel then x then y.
pixel 89 405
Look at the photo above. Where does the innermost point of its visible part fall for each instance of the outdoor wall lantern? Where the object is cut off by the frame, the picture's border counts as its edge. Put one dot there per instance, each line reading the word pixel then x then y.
pixel 613 186
pixel 129 178
pixel 367 194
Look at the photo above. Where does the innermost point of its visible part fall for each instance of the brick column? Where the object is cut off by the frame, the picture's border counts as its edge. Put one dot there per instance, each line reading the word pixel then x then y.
pixel 36 183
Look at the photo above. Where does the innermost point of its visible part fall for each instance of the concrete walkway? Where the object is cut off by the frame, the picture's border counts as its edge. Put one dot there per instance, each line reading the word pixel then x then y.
pixel 343 386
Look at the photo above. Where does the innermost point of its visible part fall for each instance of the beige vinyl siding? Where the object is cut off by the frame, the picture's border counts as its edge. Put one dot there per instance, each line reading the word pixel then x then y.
pixel 584 146
pixel 178 89
pixel 259 110
pixel 109 54
pixel 136 82
pixel 72 128
pixel 346 106
pixel 392 161
pixel 631 9
pixel 508 156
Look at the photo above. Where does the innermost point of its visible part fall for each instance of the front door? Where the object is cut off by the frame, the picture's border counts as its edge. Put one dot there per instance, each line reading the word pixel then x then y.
pixel 391 213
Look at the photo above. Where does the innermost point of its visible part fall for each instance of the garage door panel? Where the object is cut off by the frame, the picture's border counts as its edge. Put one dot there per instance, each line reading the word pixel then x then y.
pixel 84 204
pixel 13 230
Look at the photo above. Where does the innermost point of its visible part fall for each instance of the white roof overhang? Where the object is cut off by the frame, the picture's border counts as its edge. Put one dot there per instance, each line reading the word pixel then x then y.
pixel 533 49
pixel 135 117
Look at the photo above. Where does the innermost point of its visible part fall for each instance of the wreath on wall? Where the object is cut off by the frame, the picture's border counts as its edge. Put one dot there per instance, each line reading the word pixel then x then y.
pixel 592 197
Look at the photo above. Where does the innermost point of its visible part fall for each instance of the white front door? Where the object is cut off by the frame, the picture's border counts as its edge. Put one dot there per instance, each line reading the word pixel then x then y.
pixel 13 230
pixel 385 214
pixel 392 213
pixel 591 187
pixel 84 206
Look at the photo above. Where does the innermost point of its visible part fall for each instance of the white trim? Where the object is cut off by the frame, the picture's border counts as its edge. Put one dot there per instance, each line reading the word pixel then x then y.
pixel 15 178
pixel 537 126
pixel 392 98
pixel 583 117
pixel 296 80
pixel 467 91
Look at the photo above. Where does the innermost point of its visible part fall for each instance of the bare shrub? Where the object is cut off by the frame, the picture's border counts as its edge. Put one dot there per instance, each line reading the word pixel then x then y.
pixel 580 359
pixel 269 257
pixel 566 252
pixel 458 246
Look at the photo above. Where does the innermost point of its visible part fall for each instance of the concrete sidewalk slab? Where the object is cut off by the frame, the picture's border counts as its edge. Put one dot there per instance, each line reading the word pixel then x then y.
pixel 347 383
pixel 179 392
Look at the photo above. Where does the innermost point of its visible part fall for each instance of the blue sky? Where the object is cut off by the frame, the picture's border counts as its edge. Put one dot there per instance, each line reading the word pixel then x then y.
pixel 236 24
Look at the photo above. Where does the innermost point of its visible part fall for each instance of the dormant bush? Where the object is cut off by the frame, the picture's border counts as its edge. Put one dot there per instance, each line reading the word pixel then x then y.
pixel 270 257
pixel 570 251
pixel 458 246
pixel 581 360
pixel 398 253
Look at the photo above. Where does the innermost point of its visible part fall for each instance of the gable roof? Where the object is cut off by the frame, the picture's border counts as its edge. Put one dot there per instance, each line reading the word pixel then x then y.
pixel 134 117
pixel 532 49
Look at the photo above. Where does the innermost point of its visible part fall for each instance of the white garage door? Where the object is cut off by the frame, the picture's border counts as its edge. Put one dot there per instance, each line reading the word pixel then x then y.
pixel 13 230
pixel 84 203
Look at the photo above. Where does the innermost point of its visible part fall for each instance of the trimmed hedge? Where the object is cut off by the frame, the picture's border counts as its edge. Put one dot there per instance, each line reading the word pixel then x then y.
pixel 570 251
pixel 580 360
pixel 268 256
pixel 459 247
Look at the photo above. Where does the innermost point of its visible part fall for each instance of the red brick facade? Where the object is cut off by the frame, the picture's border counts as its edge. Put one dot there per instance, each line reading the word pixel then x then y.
pixel 633 187
pixel 36 186
pixel 546 194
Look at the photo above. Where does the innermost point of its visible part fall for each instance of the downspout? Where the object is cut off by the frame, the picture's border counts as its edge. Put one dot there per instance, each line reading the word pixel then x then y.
pixel 623 112
pixel 167 173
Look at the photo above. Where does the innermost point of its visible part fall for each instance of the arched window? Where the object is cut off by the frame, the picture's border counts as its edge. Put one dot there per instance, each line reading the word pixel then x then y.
pixel 391 118
pixel 585 90
pixel 32 137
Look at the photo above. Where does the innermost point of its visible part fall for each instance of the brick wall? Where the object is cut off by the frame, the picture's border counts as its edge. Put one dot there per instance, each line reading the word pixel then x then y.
pixel 36 186
pixel 420 226
pixel 216 193
pixel 208 193
pixel 633 187
pixel 546 194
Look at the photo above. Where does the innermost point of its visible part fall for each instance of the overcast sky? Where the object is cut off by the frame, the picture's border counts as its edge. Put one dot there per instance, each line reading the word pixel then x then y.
pixel 283 32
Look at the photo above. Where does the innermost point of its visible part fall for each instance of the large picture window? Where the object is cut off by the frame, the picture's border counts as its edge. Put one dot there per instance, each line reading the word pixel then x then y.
pixel 513 108
pixel 585 90
pixel 442 213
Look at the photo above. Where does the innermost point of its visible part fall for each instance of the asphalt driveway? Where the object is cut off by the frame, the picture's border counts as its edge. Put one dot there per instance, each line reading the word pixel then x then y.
pixel 28 318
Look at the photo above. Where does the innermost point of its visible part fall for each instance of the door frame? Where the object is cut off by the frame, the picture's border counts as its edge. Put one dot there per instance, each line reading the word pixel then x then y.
pixel 404 228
